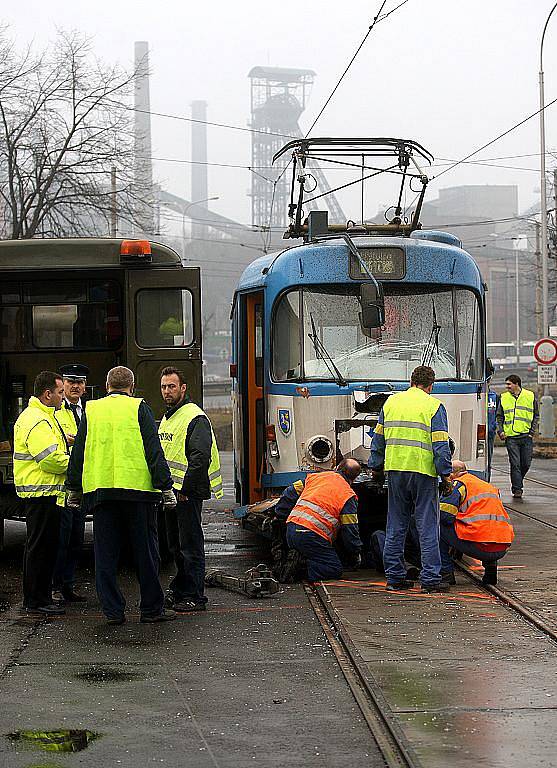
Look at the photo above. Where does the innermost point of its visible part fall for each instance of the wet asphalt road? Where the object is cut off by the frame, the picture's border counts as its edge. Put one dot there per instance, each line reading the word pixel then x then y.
pixel 248 682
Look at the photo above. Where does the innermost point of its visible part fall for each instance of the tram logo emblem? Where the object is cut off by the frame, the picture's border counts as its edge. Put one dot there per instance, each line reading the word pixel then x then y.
pixel 284 421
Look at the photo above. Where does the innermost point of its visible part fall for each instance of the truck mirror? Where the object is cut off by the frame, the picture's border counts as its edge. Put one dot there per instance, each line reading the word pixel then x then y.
pixel 372 303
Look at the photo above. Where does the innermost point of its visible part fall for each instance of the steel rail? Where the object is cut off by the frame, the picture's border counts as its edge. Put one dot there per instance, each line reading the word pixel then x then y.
pixel 386 732
pixel 528 514
pixel 512 602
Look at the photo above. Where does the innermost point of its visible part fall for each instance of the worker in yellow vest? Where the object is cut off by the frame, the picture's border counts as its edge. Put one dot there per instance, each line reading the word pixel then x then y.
pixel 191 451
pixel 40 464
pixel 517 421
pixel 118 470
pixel 411 443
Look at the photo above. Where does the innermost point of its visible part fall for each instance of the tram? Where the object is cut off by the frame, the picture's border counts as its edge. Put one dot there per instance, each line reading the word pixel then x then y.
pixel 100 302
pixel 323 332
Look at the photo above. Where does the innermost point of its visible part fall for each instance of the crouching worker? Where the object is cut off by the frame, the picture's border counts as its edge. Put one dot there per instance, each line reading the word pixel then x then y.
pixel 473 522
pixel 326 506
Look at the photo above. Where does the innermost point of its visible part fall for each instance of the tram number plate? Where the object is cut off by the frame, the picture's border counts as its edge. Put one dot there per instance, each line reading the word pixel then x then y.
pixel 383 263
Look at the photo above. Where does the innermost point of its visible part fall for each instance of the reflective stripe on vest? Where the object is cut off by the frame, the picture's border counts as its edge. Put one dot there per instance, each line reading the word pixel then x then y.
pixel 114 452
pixel 172 434
pixel 321 502
pixel 518 412
pixel 481 516
pixel 407 420
pixel 30 478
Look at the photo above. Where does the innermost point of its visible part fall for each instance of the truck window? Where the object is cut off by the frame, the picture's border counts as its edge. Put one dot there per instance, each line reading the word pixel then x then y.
pixel 164 317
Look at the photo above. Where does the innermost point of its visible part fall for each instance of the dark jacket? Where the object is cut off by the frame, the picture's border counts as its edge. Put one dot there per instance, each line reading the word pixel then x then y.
pixel 198 442
pixel 160 473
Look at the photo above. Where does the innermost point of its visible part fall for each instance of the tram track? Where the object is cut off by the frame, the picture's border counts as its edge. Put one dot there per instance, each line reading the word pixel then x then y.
pixel 386 732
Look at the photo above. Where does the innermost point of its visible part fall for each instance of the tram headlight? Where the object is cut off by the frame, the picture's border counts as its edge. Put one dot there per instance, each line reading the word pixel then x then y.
pixel 319 449
pixel 271 436
pixel 480 441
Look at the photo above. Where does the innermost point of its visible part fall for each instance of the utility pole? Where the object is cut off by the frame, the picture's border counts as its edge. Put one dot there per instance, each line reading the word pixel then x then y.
pixel 539 320
pixel 113 204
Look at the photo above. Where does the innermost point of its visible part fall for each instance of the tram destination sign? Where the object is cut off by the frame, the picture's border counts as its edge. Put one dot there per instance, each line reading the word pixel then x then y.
pixel 383 263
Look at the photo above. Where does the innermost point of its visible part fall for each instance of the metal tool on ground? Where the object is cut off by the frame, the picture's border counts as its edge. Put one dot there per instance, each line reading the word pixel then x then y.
pixel 257 582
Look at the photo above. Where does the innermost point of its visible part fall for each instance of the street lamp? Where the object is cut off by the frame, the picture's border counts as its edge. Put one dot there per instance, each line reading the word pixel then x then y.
pixel 184 212
pixel 545 286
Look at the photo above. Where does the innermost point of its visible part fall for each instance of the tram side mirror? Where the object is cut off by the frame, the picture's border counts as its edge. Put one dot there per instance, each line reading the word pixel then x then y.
pixel 489 368
pixel 372 303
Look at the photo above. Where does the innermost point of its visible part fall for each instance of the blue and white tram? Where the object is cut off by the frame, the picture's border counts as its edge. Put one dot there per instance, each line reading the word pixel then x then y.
pixel 312 365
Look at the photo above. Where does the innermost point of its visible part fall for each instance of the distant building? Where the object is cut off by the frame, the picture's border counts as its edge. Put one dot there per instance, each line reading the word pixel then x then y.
pixel 485 217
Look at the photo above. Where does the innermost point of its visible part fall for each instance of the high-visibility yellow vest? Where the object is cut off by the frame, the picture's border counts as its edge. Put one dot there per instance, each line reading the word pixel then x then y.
pixel 519 412
pixel 114 452
pixel 407 429
pixel 172 434
pixel 33 443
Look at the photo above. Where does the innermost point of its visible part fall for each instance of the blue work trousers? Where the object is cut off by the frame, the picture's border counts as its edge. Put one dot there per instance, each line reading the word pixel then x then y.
pixel 187 545
pixel 520 457
pixel 72 532
pixel 449 538
pixel 322 560
pixel 115 522
pixel 411 493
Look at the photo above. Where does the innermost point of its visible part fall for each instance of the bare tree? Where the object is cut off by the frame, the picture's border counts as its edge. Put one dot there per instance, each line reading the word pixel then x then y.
pixel 65 123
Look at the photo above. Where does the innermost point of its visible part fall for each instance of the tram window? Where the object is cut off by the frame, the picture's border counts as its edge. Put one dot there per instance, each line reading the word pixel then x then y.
pixel 164 317
pixel 258 318
pixel 286 338
pixel 469 335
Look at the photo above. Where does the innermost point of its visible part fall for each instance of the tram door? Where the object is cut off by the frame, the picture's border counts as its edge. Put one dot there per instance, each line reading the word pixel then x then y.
pixel 253 405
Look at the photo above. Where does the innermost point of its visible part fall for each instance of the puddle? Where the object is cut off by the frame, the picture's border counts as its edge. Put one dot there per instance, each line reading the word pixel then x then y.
pixel 52 741
pixel 102 675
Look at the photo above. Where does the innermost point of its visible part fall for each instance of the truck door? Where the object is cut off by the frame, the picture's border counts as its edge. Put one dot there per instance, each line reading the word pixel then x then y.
pixel 163 310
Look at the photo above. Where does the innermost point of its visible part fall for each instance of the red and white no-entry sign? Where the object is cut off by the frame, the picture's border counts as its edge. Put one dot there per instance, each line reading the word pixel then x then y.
pixel 545 351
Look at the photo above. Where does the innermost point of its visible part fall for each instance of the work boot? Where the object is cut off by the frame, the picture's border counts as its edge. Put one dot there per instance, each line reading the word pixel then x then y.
pixel 70 596
pixel 490 574
pixel 45 610
pixel 115 621
pixel 448 577
pixel 396 586
pixel 517 494
pixel 188 606
pixel 164 616
pixel 294 568
pixel 441 586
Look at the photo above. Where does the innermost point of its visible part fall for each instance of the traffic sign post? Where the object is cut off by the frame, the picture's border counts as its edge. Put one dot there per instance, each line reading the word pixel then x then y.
pixel 545 351
pixel 547 374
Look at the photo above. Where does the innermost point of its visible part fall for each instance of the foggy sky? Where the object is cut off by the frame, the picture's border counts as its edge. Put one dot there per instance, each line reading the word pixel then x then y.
pixel 450 74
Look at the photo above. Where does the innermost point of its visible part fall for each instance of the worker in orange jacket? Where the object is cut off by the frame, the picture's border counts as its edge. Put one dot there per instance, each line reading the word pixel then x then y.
pixel 473 522
pixel 326 506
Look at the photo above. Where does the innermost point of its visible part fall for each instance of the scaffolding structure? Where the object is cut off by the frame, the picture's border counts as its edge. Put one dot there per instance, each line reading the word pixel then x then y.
pixel 278 98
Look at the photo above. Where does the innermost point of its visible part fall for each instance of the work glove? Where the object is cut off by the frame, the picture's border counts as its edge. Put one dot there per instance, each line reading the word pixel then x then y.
pixel 446 487
pixel 73 499
pixel 169 500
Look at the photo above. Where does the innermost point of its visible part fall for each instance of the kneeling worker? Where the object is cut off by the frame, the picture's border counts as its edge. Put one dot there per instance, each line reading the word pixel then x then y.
pixel 326 506
pixel 474 522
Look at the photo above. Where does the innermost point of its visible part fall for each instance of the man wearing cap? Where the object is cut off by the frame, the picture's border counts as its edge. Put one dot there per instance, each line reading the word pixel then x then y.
pixel 72 521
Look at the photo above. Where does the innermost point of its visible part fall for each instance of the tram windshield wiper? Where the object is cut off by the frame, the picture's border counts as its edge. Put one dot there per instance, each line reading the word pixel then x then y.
pixel 323 354
pixel 433 341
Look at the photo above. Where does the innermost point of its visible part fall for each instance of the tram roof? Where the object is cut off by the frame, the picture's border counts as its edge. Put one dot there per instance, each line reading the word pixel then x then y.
pixel 77 253
pixel 440 259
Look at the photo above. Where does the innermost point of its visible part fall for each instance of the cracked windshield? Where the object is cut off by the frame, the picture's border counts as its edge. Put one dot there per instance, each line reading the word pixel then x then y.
pixel 318 335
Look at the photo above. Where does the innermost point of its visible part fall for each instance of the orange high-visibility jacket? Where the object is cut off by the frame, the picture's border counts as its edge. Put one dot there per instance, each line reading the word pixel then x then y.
pixel 321 503
pixel 481 516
